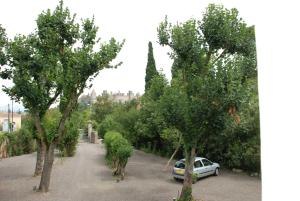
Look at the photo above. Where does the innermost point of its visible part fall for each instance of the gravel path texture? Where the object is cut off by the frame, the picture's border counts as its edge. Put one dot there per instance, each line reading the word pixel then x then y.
pixel 85 177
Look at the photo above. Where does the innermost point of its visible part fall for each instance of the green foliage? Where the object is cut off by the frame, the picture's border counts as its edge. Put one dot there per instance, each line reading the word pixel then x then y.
pixel 108 124
pixel 19 142
pixel 3 137
pixel 172 136
pixel 126 119
pixel 224 29
pixel 159 83
pixel 209 75
pixel 3 42
pixel 67 146
pixel 13 147
pixel 118 150
pixel 101 108
pixel 119 117
pixel 26 140
pixel 150 123
pixel 55 62
pixel 151 68
pixel 50 123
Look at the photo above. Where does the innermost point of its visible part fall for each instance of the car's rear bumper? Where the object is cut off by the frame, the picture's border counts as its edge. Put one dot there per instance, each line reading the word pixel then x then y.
pixel 178 176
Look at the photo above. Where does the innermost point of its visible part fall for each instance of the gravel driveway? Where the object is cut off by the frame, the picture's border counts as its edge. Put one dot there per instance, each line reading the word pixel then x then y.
pixel 85 177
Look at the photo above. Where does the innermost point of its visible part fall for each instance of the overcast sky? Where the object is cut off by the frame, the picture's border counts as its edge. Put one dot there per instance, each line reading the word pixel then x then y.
pixel 135 21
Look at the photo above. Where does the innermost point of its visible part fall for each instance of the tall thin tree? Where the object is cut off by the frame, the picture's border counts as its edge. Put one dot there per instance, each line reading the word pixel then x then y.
pixel 151 71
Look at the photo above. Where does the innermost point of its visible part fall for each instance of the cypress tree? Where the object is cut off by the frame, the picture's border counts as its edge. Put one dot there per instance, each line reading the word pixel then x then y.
pixel 151 68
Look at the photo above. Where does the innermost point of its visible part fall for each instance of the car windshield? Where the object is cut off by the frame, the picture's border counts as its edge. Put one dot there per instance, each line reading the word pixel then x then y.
pixel 180 165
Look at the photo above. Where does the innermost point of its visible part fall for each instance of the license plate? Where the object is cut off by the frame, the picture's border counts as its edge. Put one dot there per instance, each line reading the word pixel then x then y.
pixel 179 171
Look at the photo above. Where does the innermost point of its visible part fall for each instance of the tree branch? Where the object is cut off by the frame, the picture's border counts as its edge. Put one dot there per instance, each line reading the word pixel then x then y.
pixel 66 113
pixel 40 128
pixel 209 53
pixel 221 55
pixel 57 93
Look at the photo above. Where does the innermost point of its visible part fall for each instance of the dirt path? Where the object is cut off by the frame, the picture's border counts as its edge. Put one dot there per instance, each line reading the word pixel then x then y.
pixel 85 177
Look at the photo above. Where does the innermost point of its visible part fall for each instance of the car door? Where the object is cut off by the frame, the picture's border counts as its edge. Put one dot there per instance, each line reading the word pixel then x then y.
pixel 199 169
pixel 208 168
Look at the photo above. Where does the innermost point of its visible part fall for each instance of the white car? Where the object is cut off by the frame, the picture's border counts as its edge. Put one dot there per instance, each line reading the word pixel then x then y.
pixel 202 167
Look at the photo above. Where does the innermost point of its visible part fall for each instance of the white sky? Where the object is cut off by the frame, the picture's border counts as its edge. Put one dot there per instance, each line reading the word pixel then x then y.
pixel 135 21
pixel 277 34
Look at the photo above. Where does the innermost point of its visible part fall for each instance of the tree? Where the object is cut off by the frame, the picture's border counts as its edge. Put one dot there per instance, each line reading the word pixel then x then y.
pixel 3 57
pixel 173 136
pixel 2 44
pixel 151 68
pixel 150 123
pixel 77 120
pixel 101 108
pixel 198 48
pixel 53 64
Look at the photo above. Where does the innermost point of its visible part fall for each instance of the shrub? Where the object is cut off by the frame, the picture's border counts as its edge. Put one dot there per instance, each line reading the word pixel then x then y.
pixel 14 147
pixel 26 140
pixel 118 150
pixel 3 145
pixel 67 145
pixel 108 124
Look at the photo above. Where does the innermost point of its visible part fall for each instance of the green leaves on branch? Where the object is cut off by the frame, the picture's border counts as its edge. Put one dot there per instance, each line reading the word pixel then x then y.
pixel 224 29
pixel 56 62
pixel 3 43
pixel 118 150
pixel 207 79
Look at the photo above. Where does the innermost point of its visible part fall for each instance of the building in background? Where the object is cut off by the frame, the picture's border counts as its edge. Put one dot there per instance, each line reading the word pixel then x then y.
pixel 5 120
pixel 88 99
pixel 115 97
pixel 122 98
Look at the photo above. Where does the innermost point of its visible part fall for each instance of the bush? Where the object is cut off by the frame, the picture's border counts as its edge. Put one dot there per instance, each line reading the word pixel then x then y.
pixel 118 150
pixel 108 124
pixel 67 145
pixel 3 145
pixel 17 143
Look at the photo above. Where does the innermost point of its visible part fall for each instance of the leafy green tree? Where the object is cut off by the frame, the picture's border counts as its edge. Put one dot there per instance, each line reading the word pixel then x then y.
pixel 150 123
pixel 71 133
pixel 151 68
pixel 173 137
pixel 198 48
pixel 126 118
pixel 122 119
pixel 101 108
pixel 52 64
pixel 3 42
pixel 109 124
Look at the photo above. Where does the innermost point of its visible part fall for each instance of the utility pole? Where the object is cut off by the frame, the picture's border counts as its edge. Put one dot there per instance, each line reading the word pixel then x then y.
pixel 12 115
pixel 8 110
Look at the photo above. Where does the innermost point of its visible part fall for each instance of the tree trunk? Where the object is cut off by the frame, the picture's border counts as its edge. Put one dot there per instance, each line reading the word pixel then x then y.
pixel 173 155
pixel 49 158
pixel 40 156
pixel 186 192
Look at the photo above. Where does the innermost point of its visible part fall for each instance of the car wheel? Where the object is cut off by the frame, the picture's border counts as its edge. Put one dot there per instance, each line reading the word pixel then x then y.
pixel 176 179
pixel 217 172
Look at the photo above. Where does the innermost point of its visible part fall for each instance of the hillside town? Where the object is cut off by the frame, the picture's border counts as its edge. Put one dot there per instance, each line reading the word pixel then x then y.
pixel 116 97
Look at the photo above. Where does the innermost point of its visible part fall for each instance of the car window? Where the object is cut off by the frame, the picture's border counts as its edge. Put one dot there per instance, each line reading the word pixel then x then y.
pixel 180 165
pixel 206 162
pixel 198 164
